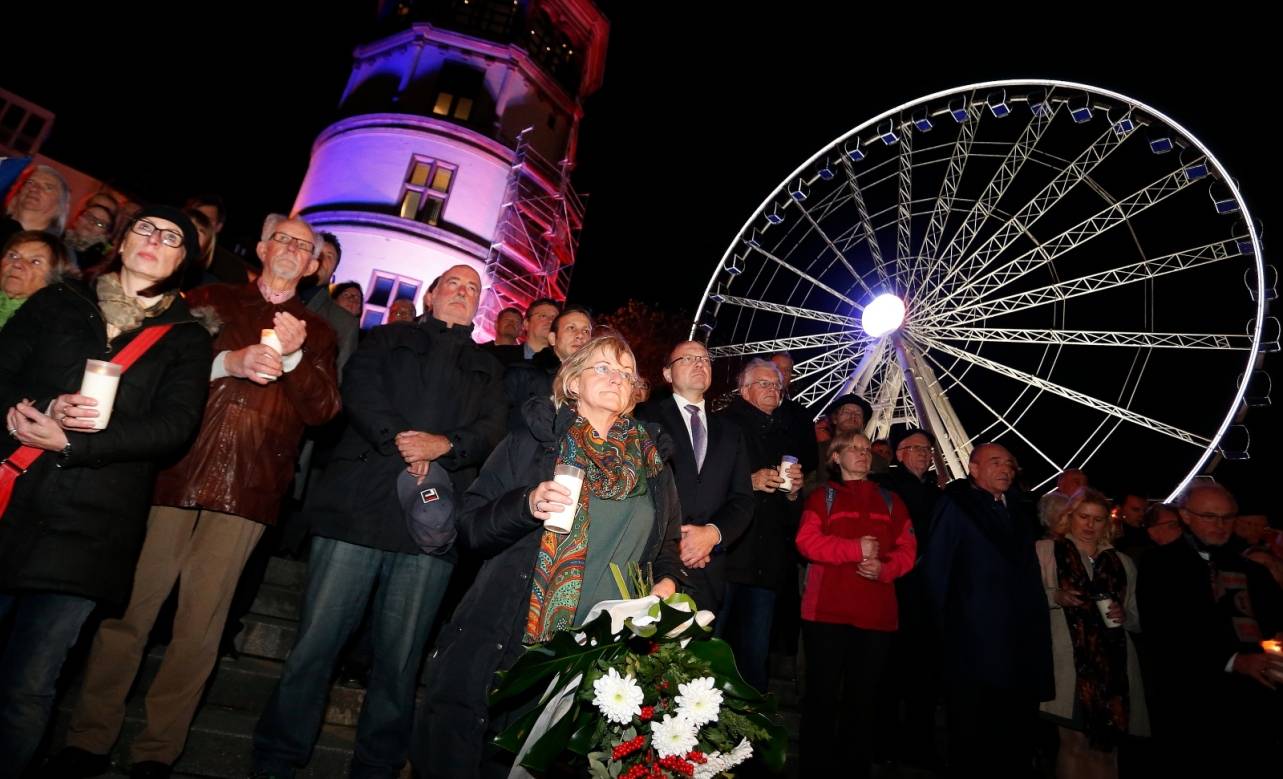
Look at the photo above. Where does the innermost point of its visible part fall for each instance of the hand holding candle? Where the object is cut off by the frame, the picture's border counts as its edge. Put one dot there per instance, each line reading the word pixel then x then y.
pixel 100 383
pixel 75 412
pixel 290 331
pixel 271 341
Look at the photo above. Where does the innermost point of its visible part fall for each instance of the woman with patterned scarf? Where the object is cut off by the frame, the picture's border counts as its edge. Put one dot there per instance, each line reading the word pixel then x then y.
pixel 75 521
pixel 1091 591
pixel 534 582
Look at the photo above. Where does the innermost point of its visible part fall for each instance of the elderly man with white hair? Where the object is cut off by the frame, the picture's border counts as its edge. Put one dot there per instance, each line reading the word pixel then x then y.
pixel 210 508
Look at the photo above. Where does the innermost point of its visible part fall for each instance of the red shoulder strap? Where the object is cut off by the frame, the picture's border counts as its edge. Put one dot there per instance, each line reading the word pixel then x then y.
pixel 141 343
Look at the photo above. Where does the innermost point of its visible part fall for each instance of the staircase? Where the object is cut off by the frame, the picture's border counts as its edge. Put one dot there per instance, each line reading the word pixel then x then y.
pixel 221 738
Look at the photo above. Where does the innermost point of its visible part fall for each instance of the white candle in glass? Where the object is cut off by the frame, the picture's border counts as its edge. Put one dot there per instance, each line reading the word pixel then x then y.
pixel 270 339
pixel 100 383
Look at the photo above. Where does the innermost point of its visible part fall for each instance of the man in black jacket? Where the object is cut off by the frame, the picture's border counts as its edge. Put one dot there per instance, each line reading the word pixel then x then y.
pixel 418 396
pixel 532 378
pixel 982 576
pixel 710 462
pixel 1205 609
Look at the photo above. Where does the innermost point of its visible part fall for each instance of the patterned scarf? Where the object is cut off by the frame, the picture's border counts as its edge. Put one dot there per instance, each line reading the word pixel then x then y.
pixel 1100 652
pixel 121 310
pixel 615 468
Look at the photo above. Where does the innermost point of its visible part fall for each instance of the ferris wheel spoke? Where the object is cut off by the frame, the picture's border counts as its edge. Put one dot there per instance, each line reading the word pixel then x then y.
pixel 1087 285
pixel 870 235
pixel 886 403
pixel 826 382
pixel 808 277
pixel 784 344
pixel 1113 215
pixel 934 407
pixel 951 257
pixel 1052 337
pixel 944 201
pixel 1083 399
pixel 780 308
pixel 815 364
pixel 833 247
pixel 904 211
pixel 1068 177
pixel 999 420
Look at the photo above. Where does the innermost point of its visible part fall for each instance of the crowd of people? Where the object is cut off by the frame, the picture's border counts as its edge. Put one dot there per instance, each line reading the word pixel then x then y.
pixel 1135 631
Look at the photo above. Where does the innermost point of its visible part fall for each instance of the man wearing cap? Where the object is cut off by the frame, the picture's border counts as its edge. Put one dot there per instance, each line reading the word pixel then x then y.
pixel 710 464
pixel 420 397
pixel 210 508
pixel 847 414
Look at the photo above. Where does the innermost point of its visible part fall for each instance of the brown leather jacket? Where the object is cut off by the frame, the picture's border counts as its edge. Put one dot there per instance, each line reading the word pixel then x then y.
pixel 243 458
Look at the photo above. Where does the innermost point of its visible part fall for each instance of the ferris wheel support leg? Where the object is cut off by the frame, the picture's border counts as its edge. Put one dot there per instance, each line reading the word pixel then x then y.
pixel 935 413
pixel 864 371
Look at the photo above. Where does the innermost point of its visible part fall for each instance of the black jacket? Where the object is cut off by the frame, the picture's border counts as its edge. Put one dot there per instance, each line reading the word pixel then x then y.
pixel 75 526
pixel 720 493
pixel 985 585
pixel 405 376
pixel 765 555
pixel 484 635
pixel 529 379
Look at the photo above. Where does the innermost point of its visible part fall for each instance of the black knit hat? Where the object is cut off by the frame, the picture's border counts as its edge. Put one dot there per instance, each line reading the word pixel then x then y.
pixel 191 238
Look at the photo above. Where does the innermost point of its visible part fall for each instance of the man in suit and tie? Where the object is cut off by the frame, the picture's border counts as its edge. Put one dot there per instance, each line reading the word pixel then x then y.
pixel 712 469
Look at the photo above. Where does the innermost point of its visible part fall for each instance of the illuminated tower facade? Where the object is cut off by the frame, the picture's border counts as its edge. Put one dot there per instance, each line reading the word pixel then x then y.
pixel 455 144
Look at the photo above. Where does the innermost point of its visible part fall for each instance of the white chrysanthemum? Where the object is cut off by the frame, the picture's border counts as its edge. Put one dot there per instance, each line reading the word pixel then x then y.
pixel 673 736
pixel 618 698
pixel 742 751
pixel 698 701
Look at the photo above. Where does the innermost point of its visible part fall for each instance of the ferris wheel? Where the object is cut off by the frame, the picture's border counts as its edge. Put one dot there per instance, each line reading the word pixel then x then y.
pixel 1049 265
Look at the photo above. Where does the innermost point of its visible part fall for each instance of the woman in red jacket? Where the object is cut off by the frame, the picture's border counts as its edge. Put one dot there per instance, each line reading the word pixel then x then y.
pixel 858 539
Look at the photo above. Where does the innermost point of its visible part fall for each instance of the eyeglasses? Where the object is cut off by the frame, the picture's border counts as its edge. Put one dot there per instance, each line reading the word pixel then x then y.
pixel 1224 519
pixel 918 448
pixel 95 221
pixel 692 359
pixel 602 369
pixel 297 244
pixel 171 238
pixel 764 384
pixel 857 449
pixel 13 256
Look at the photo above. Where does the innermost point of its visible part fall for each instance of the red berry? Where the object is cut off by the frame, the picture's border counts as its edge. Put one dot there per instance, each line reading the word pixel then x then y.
pixel 647 713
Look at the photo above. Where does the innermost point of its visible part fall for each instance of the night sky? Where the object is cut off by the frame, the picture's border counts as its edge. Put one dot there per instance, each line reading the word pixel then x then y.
pixel 698 120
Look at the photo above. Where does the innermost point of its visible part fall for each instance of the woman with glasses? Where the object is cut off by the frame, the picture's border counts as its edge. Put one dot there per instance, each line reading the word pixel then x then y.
pixel 30 261
pixel 75 521
pixel 535 582
pixel 858 539
pixel 1091 592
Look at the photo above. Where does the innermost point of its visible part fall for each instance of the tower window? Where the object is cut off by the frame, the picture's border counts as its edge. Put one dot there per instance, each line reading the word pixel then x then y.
pixel 426 189
pixel 385 288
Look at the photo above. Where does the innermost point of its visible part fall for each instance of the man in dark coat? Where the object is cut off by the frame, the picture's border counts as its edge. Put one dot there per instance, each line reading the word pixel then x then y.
pixel 1205 610
pixel 764 560
pixel 985 585
pixel 419 395
pixel 532 378
pixel 710 462
pixel 210 508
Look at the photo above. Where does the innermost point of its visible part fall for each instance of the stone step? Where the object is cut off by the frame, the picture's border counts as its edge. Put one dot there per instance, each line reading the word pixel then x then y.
pixel 246 683
pixel 286 573
pixel 276 601
pixel 266 637
pixel 220 744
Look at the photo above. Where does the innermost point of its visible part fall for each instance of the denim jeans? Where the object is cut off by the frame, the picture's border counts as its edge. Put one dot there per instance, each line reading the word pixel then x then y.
pixel 407 591
pixel 745 623
pixel 44 628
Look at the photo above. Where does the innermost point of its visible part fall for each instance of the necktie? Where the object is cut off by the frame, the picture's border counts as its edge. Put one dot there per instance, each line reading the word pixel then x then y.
pixel 699 441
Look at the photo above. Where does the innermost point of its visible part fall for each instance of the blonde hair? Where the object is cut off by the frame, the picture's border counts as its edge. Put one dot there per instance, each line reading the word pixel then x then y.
pixel 1060 527
pixel 606 340
pixel 842 440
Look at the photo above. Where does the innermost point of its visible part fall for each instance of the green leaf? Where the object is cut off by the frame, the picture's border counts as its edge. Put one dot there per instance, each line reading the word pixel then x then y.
pixel 515 734
pixel 597 766
pixel 589 731
pixel 721 660
pixel 624 594
pixel 544 752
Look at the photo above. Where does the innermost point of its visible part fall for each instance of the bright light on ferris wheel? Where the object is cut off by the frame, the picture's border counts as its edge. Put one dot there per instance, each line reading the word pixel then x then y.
pixel 883 315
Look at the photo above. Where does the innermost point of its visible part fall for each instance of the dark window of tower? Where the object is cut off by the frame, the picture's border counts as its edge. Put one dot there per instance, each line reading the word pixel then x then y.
pixel 457 89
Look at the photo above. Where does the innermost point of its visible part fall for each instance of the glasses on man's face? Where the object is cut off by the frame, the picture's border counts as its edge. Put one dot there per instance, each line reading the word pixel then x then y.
pixel 171 238
pixel 602 369
pixel 95 221
pixel 691 360
pixel 1223 519
pixel 297 244
pixel 915 449
pixel 766 385
pixel 860 450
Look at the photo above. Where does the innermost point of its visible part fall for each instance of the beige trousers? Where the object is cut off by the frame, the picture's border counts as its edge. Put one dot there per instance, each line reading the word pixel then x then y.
pixel 204 551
